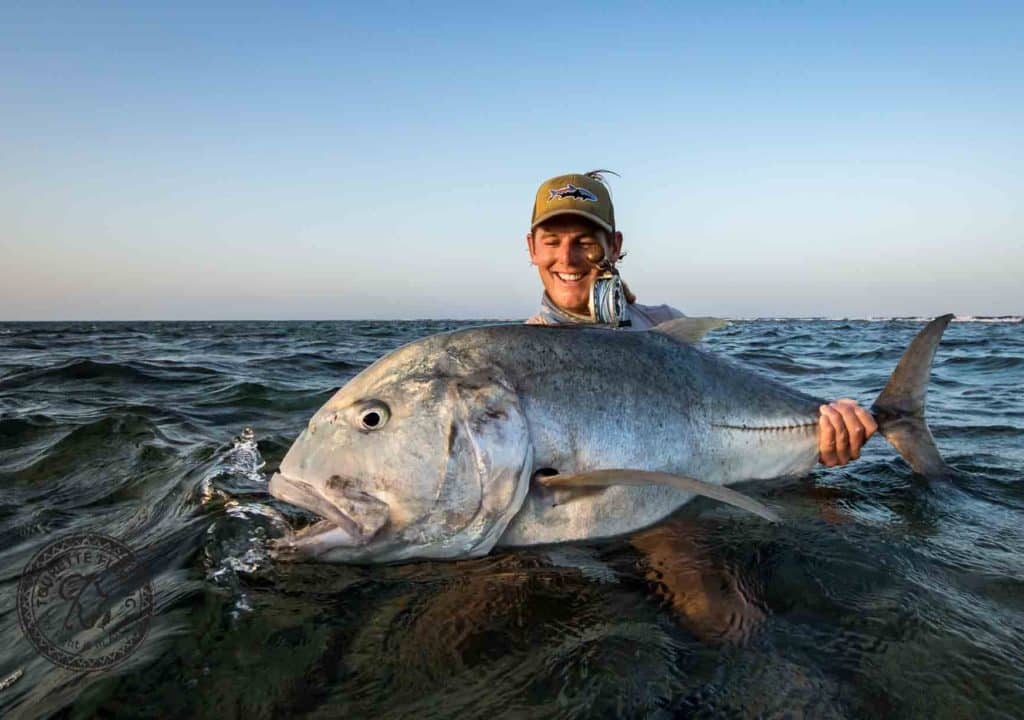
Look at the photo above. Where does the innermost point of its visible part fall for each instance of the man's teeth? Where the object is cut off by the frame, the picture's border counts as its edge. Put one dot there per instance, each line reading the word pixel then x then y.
pixel 569 276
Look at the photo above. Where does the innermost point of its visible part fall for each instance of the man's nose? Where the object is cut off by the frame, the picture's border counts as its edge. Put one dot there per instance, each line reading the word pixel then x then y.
pixel 572 255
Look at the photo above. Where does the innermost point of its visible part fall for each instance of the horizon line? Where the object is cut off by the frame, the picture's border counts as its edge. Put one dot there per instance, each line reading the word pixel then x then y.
pixel 1006 317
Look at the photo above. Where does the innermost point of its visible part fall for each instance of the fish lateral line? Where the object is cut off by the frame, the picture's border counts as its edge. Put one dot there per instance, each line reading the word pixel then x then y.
pixel 765 428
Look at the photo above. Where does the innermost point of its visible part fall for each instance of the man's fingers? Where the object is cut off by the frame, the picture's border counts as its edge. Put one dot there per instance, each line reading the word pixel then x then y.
pixel 841 444
pixel 843 428
pixel 826 439
pixel 842 436
pixel 859 423
pixel 854 427
pixel 870 426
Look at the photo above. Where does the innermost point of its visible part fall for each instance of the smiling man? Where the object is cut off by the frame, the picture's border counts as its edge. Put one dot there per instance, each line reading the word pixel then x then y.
pixel 575 247
pixel 574 244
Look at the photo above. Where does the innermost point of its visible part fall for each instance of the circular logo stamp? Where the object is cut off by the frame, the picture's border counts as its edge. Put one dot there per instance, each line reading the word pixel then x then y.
pixel 84 602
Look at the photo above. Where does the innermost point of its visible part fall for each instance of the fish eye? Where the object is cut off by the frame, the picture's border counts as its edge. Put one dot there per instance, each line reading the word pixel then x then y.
pixel 374 417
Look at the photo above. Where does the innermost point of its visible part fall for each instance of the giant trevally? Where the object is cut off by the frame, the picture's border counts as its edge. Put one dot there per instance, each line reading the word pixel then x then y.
pixel 514 435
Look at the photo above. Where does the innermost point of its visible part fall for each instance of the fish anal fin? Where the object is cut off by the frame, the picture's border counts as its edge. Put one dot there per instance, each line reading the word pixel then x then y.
pixel 622 476
pixel 689 329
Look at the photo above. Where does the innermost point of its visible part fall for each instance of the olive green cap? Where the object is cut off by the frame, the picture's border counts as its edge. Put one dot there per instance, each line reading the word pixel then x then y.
pixel 574 194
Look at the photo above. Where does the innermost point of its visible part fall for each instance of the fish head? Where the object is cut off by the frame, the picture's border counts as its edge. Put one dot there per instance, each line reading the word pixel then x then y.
pixel 408 460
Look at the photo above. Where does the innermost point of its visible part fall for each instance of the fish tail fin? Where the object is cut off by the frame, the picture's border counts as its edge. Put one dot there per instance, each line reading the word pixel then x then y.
pixel 899 409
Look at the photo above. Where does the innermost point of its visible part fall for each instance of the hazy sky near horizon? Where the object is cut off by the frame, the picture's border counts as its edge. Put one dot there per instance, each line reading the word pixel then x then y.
pixel 378 160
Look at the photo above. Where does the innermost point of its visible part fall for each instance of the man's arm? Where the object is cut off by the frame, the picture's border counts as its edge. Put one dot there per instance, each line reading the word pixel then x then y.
pixel 844 426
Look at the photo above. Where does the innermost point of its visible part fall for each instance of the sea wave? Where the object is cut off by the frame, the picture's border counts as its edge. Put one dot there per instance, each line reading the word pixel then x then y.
pixel 1001 319
pixel 86 369
pixel 133 429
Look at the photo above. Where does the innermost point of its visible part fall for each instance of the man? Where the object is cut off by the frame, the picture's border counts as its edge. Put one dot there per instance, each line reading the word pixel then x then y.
pixel 575 246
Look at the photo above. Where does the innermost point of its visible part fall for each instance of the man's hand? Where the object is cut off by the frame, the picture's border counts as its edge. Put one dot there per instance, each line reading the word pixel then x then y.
pixel 844 426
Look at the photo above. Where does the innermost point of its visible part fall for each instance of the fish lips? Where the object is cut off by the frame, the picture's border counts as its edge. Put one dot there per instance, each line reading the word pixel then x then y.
pixel 358 515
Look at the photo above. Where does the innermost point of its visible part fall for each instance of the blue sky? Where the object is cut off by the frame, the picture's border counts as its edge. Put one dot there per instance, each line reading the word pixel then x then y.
pixel 329 160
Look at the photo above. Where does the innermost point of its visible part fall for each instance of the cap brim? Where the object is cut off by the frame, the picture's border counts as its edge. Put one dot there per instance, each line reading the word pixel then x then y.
pixel 568 211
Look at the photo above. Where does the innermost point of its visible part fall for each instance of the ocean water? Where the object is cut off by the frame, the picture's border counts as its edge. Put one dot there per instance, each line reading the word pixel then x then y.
pixel 882 595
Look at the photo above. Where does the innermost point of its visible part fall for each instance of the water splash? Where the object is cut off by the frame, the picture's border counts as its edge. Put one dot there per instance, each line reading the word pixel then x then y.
pixel 236 544
pixel 238 472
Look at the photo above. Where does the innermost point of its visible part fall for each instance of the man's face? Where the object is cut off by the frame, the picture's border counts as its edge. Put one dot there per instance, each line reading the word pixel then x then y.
pixel 559 248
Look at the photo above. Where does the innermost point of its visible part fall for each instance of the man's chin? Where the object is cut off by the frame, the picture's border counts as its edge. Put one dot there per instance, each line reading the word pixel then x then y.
pixel 574 308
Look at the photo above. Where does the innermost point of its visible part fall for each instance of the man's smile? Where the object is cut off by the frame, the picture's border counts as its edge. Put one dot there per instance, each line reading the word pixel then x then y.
pixel 569 277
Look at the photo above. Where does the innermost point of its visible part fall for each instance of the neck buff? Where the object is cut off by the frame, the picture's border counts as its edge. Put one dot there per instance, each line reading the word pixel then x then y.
pixel 554 315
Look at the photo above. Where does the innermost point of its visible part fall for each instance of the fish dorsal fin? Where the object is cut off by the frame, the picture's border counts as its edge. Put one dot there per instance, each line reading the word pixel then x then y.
pixel 606 478
pixel 689 329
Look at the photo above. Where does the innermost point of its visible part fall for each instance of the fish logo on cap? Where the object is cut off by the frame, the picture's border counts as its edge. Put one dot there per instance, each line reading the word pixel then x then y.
pixel 571 191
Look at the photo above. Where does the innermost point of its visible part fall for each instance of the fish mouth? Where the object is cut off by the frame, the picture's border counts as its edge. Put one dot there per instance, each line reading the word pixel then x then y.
pixel 357 515
pixel 313 541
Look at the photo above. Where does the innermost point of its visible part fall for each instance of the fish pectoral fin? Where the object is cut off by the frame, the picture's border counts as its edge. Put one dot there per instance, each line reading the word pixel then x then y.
pixel 606 478
pixel 689 329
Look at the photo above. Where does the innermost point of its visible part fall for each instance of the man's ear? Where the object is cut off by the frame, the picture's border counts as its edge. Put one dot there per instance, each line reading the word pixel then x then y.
pixel 529 246
pixel 616 246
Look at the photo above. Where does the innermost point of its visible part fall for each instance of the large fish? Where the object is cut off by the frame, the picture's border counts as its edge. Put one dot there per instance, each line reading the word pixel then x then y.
pixel 514 435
